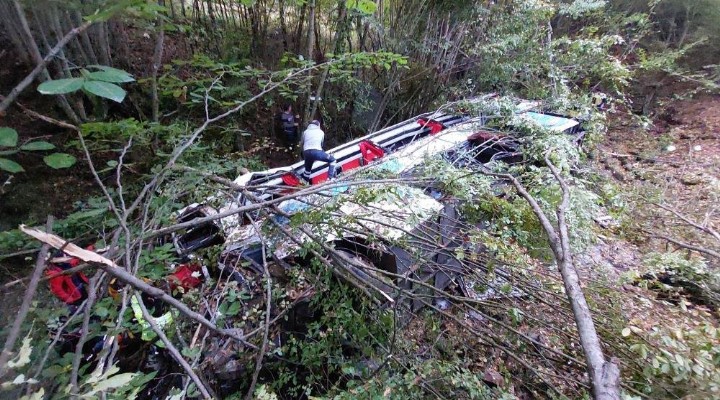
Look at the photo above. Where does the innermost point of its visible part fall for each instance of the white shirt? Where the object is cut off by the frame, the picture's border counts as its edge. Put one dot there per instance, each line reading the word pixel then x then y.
pixel 313 138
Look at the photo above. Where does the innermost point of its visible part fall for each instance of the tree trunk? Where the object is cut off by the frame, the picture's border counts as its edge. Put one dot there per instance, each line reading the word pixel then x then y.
pixel 254 30
pixel 156 62
pixel 87 44
pixel 604 375
pixel 283 25
pixel 310 50
pixel 41 67
pixel 75 46
pixel 14 30
pixel 342 14
pixel 65 66
pixel 103 44
pixel 298 32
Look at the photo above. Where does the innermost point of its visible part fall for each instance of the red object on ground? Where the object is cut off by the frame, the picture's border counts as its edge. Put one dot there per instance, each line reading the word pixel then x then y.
pixel 290 179
pixel 183 277
pixel 68 288
pixel 370 151
pixel 434 126
pixel 63 286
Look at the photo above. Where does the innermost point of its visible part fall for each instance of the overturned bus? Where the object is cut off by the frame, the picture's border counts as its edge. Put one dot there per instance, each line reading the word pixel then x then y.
pixel 363 231
pixel 382 226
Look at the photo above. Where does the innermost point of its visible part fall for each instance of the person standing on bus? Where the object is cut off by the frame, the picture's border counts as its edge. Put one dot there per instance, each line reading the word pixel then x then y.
pixel 312 146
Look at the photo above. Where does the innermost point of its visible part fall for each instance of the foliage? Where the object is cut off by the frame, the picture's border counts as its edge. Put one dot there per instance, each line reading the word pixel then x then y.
pixel 347 332
pixel 677 350
pixel 101 83
pixel 9 146
pixel 110 383
pixel 676 273
pixel 557 51
pixel 426 378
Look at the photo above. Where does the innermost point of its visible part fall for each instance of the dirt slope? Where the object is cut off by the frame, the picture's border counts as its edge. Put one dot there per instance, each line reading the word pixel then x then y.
pixel 669 172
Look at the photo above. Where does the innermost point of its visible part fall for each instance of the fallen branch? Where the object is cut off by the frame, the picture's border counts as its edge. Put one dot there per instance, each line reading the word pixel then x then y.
pixel 604 375
pixel 268 308
pixel 19 253
pixel 706 229
pixel 25 307
pixel 93 287
pixel 688 246
pixel 124 276
pixel 172 349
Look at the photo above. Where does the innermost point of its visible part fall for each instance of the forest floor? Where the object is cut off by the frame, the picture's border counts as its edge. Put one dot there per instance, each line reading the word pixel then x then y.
pixel 668 171
pixel 673 162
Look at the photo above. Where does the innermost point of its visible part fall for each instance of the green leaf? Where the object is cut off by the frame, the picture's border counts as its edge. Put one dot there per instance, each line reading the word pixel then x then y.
pixel 39 395
pixel 59 160
pixel 115 76
pixel 106 90
pixel 366 7
pixel 10 166
pixel 112 382
pixel 8 137
pixel 109 69
pixel 61 86
pixel 23 356
pixel 38 145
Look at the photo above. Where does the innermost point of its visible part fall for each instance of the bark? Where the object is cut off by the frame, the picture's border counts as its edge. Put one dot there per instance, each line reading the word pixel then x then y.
pixel 156 62
pixel 25 307
pixel 342 14
pixel 85 39
pixel 62 25
pixel 298 32
pixel 254 31
pixel 283 25
pixel 604 375
pixel 389 92
pixel 63 59
pixel 40 69
pixel 14 31
pixel 310 42
pixel 103 44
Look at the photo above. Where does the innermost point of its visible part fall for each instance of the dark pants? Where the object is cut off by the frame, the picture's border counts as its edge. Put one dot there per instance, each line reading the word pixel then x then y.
pixel 310 156
pixel 291 137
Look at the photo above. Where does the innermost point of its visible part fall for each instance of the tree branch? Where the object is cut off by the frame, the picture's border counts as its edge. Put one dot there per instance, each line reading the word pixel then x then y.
pixel 688 246
pixel 172 349
pixel 41 66
pixel 708 230
pixel 25 307
pixel 604 375
pixel 124 276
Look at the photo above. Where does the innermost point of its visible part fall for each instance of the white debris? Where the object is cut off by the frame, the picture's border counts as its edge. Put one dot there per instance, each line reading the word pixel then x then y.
pixel 670 148
pixel 697 147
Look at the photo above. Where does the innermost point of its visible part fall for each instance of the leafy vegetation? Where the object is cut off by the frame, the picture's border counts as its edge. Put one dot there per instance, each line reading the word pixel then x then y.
pixel 9 146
